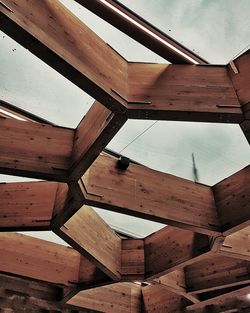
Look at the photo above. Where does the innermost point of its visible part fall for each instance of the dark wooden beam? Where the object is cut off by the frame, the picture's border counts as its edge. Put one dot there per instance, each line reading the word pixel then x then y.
pixel 182 93
pixel 217 272
pixel 232 198
pixel 239 70
pixel 234 301
pixel 68 46
pixel 171 248
pixel 146 193
pixel 235 245
pixel 92 135
pixel 35 150
pixel 144 37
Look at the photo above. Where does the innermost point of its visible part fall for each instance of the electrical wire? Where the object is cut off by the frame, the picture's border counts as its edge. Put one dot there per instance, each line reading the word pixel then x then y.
pixel 138 136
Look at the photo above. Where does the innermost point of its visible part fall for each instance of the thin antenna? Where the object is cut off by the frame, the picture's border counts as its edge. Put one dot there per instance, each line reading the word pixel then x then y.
pixel 195 170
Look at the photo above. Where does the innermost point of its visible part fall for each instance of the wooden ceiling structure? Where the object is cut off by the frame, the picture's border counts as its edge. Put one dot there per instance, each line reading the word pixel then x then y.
pixel 199 262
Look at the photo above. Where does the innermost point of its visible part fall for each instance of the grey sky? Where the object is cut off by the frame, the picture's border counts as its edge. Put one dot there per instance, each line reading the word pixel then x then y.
pixel 216 29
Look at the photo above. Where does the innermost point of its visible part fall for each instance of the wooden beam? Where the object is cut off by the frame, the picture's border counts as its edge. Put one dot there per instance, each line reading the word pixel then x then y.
pixel 157 298
pixel 236 245
pixel 175 282
pixel 182 93
pixel 171 248
pixel 239 71
pixel 232 198
pixel 215 273
pixel 115 298
pixel 92 135
pixel 149 194
pixel 132 260
pixel 38 259
pixel 91 236
pixel 45 261
pixel 27 206
pixel 235 300
pixel 135 32
pixel 83 54
pixel 39 290
pixel 35 150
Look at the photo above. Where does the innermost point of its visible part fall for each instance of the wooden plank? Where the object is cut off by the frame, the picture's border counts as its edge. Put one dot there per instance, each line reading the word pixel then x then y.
pixel 34 289
pixel 93 133
pixel 215 273
pixel 182 92
pixel 90 235
pixel 234 300
pixel 132 260
pixel 38 259
pixel 241 79
pixel 44 261
pixel 146 193
pixel 237 245
pixel 135 32
pixel 63 33
pixel 61 199
pixel 175 282
pixel 171 248
pixel 232 198
pixel 35 150
pixel 27 206
pixel 157 298
pixel 115 298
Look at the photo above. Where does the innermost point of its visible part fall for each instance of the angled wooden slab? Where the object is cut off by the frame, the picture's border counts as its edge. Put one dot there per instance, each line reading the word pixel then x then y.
pixel 146 193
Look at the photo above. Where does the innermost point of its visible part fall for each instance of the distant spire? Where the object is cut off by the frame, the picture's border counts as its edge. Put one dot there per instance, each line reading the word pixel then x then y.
pixel 195 170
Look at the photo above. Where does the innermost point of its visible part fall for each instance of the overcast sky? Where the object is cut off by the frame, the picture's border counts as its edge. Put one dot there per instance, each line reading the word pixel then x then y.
pixel 216 29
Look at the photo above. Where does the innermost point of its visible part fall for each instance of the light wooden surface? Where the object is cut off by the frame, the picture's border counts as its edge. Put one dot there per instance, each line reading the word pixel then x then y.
pixel 26 205
pixel 89 234
pixel 182 92
pixel 35 150
pixel 38 259
pixel 150 194
pixel 171 248
pixel 92 135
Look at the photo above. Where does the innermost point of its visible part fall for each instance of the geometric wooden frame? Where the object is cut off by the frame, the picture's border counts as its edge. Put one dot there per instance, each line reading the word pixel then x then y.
pixel 215 243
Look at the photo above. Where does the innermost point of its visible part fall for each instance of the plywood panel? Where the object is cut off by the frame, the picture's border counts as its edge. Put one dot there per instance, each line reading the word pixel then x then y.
pixel 150 194
pixel 26 205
